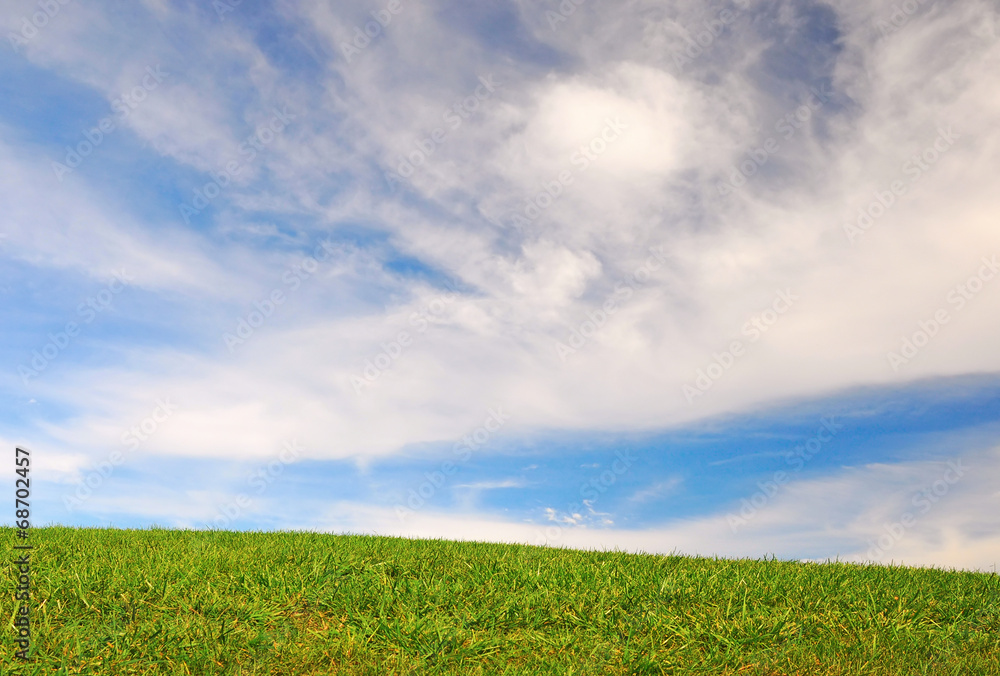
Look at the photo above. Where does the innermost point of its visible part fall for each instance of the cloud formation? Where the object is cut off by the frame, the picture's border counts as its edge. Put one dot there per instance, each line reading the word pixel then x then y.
pixel 589 218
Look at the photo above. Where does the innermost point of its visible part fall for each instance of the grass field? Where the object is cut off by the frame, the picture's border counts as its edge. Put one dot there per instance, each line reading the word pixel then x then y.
pixel 187 602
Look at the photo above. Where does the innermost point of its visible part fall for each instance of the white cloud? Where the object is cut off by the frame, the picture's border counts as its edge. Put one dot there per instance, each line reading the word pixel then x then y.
pixel 499 346
pixel 65 226
pixel 658 490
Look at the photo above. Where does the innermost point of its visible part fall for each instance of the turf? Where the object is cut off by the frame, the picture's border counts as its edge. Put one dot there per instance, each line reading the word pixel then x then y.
pixel 160 601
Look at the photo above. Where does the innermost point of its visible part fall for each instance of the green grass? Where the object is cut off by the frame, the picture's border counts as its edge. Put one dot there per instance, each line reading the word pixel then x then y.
pixel 188 602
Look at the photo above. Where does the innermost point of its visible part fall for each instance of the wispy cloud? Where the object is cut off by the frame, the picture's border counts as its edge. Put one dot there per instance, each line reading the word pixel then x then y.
pixel 656 491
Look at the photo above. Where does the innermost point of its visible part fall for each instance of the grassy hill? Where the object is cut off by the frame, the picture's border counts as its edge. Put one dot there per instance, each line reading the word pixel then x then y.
pixel 157 601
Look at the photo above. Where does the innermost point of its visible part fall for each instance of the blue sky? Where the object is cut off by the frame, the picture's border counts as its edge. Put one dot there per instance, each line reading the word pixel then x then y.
pixel 660 276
